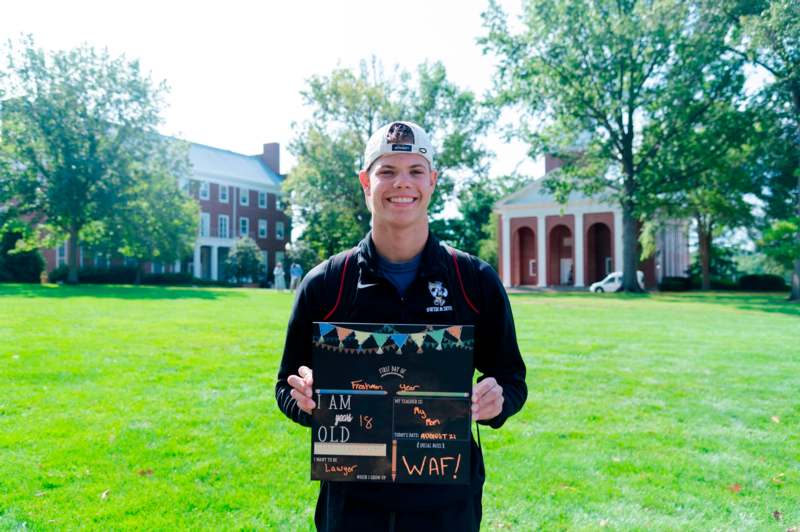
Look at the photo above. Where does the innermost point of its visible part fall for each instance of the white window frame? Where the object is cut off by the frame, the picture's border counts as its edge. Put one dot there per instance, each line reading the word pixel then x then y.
pixel 205 224
pixel 279 257
pixel 61 254
pixel 246 226
pixel 262 228
pixel 227 220
pixel 280 231
pixel 244 197
pixel 262 199
pixel 265 258
pixel 205 190
pixel 227 193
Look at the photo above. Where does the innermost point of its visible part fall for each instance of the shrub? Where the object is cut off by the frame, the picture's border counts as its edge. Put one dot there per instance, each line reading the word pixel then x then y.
pixel 244 260
pixel 112 275
pixel 25 267
pixel 763 282
pixel 675 284
pixel 127 275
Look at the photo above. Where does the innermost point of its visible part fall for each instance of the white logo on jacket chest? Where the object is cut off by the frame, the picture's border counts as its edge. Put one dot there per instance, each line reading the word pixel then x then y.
pixel 439 293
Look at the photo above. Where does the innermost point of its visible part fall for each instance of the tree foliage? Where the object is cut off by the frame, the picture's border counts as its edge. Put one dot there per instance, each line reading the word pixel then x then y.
pixel 472 230
pixel 608 85
pixel 18 264
pixel 158 220
pixel 780 241
pixel 770 40
pixel 346 107
pixel 244 260
pixel 705 176
pixel 78 140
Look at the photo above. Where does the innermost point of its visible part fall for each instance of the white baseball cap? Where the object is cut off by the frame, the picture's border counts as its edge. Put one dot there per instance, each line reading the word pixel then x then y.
pixel 377 144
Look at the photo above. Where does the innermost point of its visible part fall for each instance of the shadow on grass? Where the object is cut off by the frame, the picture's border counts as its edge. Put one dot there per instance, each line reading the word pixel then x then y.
pixel 773 302
pixel 114 292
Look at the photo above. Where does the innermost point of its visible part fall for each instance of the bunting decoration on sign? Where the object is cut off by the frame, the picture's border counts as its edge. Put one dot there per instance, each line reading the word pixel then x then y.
pixel 399 339
pixel 360 341
pixel 361 338
pixel 419 339
pixel 437 337
pixel 343 333
pixel 380 339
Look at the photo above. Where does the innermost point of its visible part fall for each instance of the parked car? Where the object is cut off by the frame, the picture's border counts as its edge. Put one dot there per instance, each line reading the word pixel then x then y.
pixel 613 282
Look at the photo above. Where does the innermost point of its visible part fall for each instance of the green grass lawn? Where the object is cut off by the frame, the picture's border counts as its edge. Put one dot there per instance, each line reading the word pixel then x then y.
pixel 153 408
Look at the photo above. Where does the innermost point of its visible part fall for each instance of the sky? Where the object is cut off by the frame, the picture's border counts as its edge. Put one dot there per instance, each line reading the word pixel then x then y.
pixel 235 69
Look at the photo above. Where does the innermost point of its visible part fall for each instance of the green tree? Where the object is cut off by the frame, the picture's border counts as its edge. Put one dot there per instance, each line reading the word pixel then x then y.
pixel 18 264
pixel 157 221
pixel 476 200
pixel 606 86
pixel 770 41
pixel 300 252
pixel 780 242
pixel 76 127
pixel 705 175
pixel 347 106
pixel 244 260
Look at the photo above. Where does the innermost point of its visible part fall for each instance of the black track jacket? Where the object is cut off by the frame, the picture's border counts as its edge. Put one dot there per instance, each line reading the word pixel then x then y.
pixel 367 297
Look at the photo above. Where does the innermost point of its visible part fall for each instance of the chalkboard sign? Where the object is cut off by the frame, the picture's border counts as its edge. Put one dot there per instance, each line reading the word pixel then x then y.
pixel 393 403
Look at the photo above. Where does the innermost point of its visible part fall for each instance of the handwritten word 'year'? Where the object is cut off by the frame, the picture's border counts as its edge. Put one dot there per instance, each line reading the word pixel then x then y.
pixel 343 418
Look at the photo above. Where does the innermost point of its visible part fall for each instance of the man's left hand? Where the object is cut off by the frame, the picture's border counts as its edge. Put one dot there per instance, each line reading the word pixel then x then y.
pixel 487 399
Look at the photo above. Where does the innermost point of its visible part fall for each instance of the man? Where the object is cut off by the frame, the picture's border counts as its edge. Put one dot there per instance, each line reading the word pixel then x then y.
pixel 400 273
pixel 296 273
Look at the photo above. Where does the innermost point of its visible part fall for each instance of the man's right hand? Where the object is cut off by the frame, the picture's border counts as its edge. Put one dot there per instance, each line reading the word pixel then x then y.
pixel 302 388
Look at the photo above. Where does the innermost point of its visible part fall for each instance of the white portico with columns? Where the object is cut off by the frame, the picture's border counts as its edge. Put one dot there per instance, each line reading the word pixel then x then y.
pixel 543 243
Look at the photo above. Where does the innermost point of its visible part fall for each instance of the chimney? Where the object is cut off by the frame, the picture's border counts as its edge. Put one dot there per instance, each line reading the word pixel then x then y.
pixel 272 156
pixel 551 163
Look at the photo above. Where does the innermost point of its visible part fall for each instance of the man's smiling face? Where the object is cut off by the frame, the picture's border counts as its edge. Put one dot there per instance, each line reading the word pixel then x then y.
pixel 398 189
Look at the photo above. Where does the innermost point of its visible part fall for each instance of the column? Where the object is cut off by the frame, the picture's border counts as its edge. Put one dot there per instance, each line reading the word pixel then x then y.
pixel 506 273
pixel 176 267
pixel 541 252
pixel 198 268
pixel 578 249
pixel 214 261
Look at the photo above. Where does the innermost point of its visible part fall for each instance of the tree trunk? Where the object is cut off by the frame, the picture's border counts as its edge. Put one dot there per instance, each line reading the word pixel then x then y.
pixel 704 249
pixel 630 257
pixel 139 269
pixel 795 294
pixel 72 256
pixel 630 236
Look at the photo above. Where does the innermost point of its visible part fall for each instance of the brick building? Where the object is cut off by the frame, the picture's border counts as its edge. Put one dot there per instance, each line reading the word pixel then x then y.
pixel 543 243
pixel 238 195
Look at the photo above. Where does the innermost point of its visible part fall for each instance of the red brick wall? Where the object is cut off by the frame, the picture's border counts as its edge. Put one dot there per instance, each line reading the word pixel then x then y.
pixel 253 213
